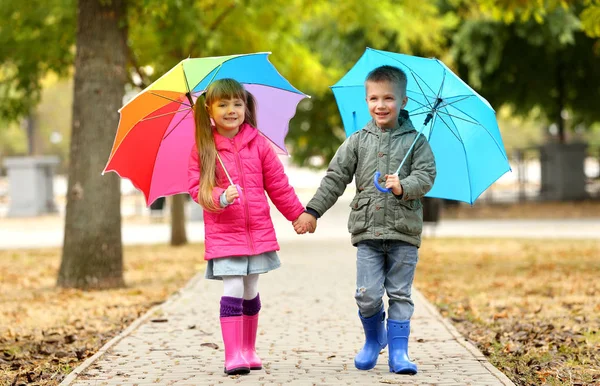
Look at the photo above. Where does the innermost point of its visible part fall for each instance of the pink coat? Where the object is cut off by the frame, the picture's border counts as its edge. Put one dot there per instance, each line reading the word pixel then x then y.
pixel 244 228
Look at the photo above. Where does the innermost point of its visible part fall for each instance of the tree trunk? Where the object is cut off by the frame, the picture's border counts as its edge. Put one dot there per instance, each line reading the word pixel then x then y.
pixel 178 234
pixel 31 125
pixel 560 101
pixel 92 254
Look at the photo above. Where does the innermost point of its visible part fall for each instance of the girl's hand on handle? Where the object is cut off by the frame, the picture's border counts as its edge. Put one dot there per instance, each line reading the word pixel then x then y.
pixel 231 193
pixel 392 181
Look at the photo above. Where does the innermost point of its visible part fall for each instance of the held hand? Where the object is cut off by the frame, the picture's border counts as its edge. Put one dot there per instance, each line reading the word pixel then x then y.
pixel 231 193
pixel 392 181
pixel 305 223
pixel 298 227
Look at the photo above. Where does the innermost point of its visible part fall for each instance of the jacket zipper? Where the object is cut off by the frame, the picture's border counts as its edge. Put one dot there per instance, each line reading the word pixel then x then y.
pixel 247 211
pixel 387 168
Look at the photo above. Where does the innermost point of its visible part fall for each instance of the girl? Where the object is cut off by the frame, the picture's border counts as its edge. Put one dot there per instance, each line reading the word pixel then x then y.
pixel 239 235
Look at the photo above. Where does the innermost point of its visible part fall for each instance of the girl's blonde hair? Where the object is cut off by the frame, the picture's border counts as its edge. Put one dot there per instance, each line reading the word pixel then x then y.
pixel 205 142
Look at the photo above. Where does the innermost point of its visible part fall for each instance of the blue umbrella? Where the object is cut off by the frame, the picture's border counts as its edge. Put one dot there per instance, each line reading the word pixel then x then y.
pixel 459 124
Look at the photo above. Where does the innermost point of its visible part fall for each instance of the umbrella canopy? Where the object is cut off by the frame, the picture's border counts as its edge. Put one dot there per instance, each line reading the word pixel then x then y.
pixel 459 124
pixel 156 131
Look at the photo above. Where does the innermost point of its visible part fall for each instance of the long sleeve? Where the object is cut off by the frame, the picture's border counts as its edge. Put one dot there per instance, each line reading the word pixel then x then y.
pixel 193 174
pixel 340 173
pixel 194 179
pixel 277 184
pixel 423 171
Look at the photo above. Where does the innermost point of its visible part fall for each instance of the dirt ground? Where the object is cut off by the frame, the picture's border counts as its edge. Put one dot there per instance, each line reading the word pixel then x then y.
pixel 525 210
pixel 45 332
pixel 533 307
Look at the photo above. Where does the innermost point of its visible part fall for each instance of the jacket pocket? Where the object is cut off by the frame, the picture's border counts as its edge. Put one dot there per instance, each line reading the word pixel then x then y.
pixel 358 221
pixel 409 217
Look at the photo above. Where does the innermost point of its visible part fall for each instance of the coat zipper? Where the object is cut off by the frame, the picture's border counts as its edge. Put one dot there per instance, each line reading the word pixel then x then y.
pixel 387 168
pixel 247 211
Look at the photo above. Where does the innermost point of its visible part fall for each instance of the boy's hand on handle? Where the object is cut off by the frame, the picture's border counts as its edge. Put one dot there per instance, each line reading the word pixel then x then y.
pixel 392 181
pixel 305 223
pixel 231 193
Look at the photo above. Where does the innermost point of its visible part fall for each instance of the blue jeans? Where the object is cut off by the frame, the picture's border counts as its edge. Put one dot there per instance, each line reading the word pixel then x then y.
pixel 389 265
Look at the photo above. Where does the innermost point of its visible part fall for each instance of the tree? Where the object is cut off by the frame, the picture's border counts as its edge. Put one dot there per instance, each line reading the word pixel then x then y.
pixel 546 61
pixel 338 32
pixel 35 38
pixel 178 232
pixel 92 253
pixel 301 34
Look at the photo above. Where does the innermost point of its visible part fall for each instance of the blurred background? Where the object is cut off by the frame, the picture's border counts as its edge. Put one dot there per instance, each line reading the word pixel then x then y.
pixel 517 272
pixel 538 65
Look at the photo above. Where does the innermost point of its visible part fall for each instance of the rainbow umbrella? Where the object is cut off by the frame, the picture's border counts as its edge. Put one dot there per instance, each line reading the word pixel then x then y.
pixel 156 130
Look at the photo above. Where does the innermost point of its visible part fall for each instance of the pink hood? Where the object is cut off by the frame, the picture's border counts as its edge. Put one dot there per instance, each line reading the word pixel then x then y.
pixel 244 228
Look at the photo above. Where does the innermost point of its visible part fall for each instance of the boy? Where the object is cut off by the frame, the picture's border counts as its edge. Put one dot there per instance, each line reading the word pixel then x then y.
pixel 385 228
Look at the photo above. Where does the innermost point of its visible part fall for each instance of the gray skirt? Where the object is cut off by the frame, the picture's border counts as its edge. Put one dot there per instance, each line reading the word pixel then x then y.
pixel 241 265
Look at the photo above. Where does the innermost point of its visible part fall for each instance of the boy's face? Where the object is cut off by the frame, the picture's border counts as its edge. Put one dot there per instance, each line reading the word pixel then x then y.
pixel 385 100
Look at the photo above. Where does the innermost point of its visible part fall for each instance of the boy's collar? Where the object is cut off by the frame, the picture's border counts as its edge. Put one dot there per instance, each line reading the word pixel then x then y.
pixel 403 117
pixel 404 124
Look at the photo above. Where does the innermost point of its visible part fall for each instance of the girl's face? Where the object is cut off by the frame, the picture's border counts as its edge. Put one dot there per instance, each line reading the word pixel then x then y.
pixel 228 115
pixel 385 100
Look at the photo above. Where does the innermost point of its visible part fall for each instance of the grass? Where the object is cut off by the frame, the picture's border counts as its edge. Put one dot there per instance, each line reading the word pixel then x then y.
pixel 532 307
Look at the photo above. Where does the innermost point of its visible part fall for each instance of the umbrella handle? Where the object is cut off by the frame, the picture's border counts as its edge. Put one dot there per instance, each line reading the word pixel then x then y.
pixel 240 192
pixel 379 187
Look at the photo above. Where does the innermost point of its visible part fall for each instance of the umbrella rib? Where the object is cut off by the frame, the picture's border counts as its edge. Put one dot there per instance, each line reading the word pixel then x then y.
pixel 419 103
pixel 432 127
pixel 457 117
pixel 456 101
pixel 456 108
pixel 211 79
pixel 412 113
pixel 187 83
pixel 466 160
pixel 487 131
pixel 422 80
pixel 162 115
pixel 420 88
pixel 177 124
pixel 456 135
pixel 188 94
pixel 169 99
pixel 441 86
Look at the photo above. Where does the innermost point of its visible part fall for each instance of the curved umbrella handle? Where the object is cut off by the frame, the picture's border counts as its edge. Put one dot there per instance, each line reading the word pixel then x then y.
pixel 379 187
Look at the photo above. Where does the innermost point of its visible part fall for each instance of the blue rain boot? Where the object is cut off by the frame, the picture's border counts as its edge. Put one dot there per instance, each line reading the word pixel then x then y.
pixel 399 362
pixel 376 340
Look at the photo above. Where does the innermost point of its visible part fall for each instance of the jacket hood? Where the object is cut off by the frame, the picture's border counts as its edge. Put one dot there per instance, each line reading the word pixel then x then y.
pixel 404 125
pixel 246 134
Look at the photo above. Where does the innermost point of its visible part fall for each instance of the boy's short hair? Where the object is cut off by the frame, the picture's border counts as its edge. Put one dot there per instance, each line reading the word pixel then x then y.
pixel 389 74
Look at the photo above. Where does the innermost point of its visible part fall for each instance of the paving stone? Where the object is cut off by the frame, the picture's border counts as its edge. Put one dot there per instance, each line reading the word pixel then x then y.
pixel 308 334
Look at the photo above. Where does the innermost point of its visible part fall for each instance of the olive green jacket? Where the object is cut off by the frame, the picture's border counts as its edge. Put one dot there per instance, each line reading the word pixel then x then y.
pixel 377 215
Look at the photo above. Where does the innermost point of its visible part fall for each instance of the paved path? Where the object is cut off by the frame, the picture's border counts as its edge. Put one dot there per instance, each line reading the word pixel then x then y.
pixel 308 334
pixel 309 330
